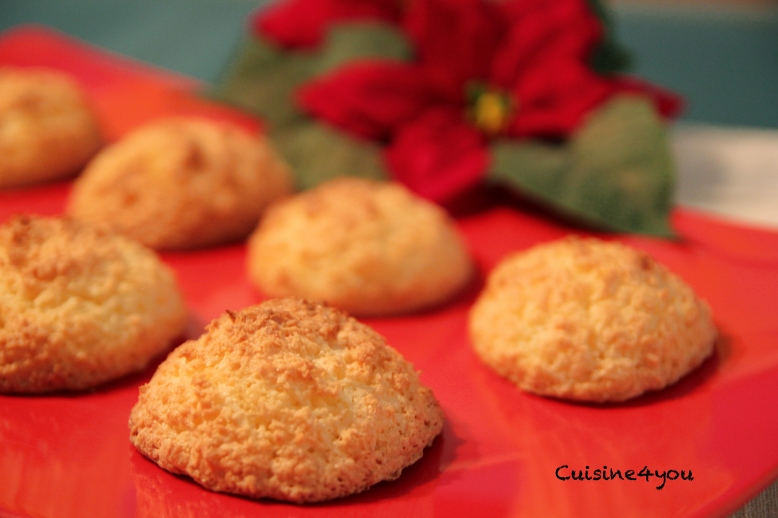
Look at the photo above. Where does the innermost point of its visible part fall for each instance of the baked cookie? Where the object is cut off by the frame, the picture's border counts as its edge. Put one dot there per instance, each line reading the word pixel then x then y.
pixel 182 182
pixel 286 400
pixel 48 129
pixel 589 320
pixel 79 306
pixel 368 247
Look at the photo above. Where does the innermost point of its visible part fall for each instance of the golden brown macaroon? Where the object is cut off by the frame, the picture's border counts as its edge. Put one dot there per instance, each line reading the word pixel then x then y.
pixel 589 320
pixel 287 400
pixel 368 247
pixel 48 129
pixel 79 306
pixel 182 182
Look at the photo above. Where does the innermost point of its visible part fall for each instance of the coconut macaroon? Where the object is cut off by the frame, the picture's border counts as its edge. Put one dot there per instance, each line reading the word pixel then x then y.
pixel 182 182
pixel 287 400
pixel 79 306
pixel 48 129
pixel 368 247
pixel 589 320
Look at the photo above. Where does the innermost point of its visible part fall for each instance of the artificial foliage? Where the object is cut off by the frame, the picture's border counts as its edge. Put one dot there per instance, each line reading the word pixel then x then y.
pixel 448 95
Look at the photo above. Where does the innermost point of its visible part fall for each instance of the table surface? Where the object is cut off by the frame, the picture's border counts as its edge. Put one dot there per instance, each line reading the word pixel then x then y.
pixel 724 61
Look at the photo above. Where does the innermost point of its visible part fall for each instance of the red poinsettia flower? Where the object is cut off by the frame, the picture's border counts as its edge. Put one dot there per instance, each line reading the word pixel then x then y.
pixel 303 23
pixel 484 69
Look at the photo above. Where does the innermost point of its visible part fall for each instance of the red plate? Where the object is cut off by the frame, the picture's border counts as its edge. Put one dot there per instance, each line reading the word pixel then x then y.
pixel 502 452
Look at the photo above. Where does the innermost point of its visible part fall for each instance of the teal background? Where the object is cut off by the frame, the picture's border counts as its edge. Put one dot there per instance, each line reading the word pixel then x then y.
pixel 723 60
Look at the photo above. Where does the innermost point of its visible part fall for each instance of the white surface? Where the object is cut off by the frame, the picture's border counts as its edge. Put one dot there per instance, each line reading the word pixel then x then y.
pixel 729 172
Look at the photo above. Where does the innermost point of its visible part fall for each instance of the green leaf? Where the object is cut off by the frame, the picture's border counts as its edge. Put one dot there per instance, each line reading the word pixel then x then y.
pixel 317 152
pixel 262 78
pixel 361 40
pixel 615 173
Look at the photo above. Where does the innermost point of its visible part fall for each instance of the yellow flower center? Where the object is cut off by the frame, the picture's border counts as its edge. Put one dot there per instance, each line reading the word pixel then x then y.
pixel 490 110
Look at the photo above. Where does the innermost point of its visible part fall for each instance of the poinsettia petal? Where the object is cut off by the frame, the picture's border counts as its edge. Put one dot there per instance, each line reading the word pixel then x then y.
pixel 550 30
pixel 438 155
pixel 303 23
pixel 294 23
pixel 368 98
pixel 455 40
pixel 553 98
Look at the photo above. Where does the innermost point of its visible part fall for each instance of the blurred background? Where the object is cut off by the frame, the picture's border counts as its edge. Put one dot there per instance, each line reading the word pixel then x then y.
pixel 722 55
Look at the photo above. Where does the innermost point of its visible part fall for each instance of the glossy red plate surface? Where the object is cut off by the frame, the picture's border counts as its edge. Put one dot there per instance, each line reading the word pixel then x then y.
pixel 69 455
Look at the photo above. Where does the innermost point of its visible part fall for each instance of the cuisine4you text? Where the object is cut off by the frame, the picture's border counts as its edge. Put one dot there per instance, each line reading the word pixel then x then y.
pixel 564 473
